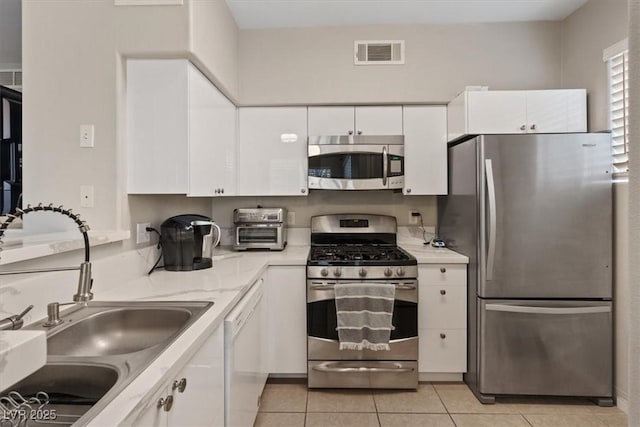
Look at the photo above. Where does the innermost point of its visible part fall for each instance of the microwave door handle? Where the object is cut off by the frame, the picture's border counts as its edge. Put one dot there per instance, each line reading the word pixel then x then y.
pixel 385 165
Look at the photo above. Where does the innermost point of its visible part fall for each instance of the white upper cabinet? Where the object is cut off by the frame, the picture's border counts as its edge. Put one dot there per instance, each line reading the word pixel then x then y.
pixel 212 148
pixel 425 150
pixel 385 120
pixel 513 112
pixel 272 157
pixel 180 131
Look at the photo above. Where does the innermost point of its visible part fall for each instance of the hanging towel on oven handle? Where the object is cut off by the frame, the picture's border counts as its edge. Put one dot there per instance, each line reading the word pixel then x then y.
pixel 364 313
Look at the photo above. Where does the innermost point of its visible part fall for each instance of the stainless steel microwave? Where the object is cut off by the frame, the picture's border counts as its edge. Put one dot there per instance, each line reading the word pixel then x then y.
pixel 356 162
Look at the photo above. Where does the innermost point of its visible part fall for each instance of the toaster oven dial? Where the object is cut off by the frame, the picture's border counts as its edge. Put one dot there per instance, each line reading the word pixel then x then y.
pixel 400 271
pixel 388 272
pixel 337 272
pixel 324 272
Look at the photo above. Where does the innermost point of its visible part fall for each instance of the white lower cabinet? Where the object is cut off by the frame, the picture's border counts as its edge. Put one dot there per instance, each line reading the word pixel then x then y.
pixel 442 318
pixel 286 320
pixel 195 396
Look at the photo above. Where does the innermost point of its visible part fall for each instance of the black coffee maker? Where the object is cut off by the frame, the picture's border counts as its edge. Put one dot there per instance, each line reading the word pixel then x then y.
pixel 187 242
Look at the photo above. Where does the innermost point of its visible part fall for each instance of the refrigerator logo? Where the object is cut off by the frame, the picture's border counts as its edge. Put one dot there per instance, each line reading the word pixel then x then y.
pixel 588 145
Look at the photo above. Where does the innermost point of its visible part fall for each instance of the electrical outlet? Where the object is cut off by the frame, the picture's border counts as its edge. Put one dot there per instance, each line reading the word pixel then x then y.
pixel 414 217
pixel 291 218
pixel 86 136
pixel 86 196
pixel 142 235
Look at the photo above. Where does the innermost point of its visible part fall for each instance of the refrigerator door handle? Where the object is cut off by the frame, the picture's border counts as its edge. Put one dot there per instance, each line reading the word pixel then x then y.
pixel 491 193
pixel 547 310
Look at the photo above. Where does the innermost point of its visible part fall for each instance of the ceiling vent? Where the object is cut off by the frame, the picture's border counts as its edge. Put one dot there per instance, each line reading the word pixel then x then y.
pixel 378 52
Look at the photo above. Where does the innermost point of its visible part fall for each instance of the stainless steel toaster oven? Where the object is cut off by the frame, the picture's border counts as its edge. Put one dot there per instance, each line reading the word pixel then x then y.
pixel 260 228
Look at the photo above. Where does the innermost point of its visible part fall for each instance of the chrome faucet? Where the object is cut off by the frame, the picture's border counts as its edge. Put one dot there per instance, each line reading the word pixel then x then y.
pixel 85 282
pixel 15 321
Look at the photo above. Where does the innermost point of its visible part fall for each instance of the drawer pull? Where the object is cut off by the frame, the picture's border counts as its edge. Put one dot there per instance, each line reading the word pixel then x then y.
pixel 443 270
pixel 180 385
pixel 443 336
pixel 443 292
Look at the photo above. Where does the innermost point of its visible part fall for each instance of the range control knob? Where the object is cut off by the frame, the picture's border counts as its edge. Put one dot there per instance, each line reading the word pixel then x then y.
pixel 388 272
pixel 400 271
pixel 324 272
pixel 337 272
pixel 362 272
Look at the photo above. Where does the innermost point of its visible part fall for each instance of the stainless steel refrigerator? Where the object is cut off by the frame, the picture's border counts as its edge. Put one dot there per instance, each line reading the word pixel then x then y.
pixel 534 215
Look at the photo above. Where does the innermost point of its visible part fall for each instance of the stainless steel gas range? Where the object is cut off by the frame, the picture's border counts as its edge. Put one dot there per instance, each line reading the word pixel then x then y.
pixel 361 249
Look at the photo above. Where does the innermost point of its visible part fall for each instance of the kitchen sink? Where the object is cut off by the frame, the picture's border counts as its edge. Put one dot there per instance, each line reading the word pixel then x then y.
pixel 118 331
pixel 96 351
pixel 59 393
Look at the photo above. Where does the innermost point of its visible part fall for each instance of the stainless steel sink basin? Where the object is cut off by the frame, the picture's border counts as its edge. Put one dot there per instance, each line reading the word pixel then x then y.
pixel 59 393
pixel 99 348
pixel 118 331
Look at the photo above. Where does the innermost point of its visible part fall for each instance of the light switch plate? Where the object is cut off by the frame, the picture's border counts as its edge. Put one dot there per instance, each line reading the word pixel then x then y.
pixel 86 136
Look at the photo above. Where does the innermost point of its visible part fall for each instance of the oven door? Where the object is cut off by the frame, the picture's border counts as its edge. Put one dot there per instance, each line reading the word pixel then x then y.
pixel 355 167
pixel 322 333
pixel 259 236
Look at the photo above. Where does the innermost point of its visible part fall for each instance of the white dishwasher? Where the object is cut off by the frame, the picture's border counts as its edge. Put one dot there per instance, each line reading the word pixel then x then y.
pixel 244 362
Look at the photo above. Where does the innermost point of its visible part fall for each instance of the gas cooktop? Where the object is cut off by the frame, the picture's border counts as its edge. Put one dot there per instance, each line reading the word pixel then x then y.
pixel 359 255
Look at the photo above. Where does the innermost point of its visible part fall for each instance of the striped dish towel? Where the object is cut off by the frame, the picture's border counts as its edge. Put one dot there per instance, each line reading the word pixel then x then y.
pixel 364 312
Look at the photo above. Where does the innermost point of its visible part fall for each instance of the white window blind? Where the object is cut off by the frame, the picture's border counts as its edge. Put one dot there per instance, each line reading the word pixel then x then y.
pixel 618 71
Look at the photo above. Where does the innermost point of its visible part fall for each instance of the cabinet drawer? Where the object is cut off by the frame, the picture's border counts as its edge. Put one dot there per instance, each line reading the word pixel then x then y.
pixel 442 350
pixel 443 307
pixel 442 274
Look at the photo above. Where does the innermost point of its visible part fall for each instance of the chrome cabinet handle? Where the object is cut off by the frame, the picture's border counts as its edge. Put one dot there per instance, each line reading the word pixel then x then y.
pixel 443 292
pixel 523 127
pixel 408 190
pixel 533 127
pixel 350 132
pixel 181 385
pixel 443 336
pixel 302 190
pixel 443 270
pixel 166 403
pixel 491 192
pixel 359 132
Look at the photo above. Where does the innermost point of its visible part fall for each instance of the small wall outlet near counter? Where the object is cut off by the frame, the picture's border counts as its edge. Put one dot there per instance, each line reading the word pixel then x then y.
pixel 414 217
pixel 142 235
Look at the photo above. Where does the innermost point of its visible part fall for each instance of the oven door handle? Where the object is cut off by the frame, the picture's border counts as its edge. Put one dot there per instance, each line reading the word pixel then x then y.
pixel 329 286
pixel 360 369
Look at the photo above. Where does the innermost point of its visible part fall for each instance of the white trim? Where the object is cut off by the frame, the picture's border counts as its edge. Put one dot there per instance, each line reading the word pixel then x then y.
pixel 615 50
pixel 622 404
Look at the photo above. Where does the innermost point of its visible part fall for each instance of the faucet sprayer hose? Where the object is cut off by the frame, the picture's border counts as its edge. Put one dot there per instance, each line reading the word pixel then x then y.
pixel 82 226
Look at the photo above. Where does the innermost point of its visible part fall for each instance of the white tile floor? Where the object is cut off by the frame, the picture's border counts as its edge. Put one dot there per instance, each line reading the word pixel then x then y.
pixel 290 404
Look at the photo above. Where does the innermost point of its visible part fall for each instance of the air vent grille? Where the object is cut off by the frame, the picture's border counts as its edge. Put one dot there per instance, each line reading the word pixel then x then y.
pixel 379 52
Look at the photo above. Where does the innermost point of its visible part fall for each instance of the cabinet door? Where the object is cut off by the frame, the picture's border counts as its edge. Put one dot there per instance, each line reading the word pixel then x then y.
pixel 272 151
pixel 496 112
pixel 201 403
pixel 286 302
pixel 556 111
pixel 212 139
pixel 152 414
pixel 379 120
pixel 425 149
pixel 546 111
pixel 442 350
pixel 331 121
pixel 157 127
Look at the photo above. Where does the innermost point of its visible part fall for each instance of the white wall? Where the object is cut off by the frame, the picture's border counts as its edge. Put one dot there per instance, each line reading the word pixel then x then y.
pixel 74 63
pixel 583 67
pixel 315 65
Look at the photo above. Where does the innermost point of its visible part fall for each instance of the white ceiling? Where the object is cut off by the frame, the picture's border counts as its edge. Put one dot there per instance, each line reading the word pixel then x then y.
pixel 253 14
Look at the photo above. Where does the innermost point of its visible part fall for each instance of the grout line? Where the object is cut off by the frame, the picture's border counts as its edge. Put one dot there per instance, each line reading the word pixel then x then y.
pixel 452 420
pixel 441 401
